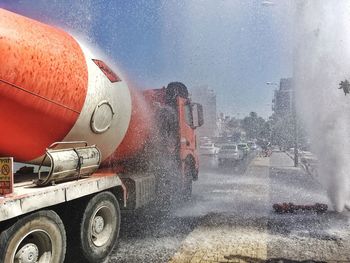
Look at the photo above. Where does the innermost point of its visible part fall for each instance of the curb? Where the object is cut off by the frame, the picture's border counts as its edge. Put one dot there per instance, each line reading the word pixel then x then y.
pixel 305 165
pixel 300 163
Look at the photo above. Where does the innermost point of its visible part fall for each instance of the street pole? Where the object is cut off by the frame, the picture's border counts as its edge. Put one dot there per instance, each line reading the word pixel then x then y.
pixel 295 122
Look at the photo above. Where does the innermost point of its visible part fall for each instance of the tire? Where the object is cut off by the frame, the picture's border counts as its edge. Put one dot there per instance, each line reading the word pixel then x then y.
pixel 187 191
pixel 99 228
pixel 189 172
pixel 38 237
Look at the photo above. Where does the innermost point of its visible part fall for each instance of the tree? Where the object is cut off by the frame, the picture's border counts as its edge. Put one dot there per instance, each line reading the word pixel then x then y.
pixel 254 126
pixel 345 86
pixel 283 133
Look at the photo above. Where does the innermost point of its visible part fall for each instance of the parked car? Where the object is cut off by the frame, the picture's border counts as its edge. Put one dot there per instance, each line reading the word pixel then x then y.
pixel 243 147
pixel 230 152
pixel 252 146
pixel 208 149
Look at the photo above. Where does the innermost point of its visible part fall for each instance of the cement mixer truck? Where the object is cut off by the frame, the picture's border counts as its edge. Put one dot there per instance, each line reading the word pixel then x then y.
pixel 85 146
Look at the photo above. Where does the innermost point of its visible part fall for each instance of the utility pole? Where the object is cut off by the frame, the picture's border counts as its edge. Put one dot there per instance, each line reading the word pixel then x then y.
pixel 295 124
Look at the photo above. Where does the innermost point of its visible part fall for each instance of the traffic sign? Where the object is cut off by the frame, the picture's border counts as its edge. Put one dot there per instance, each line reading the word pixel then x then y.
pixel 6 175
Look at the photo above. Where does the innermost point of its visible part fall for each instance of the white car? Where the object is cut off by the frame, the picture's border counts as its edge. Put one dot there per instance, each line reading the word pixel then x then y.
pixel 230 152
pixel 252 146
pixel 208 149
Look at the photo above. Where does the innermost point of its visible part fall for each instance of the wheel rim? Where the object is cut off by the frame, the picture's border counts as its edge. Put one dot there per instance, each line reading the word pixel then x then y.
pixel 34 247
pixel 102 225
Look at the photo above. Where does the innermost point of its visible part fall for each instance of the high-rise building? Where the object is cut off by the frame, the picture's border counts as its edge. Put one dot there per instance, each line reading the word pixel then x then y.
pixel 207 97
pixel 283 98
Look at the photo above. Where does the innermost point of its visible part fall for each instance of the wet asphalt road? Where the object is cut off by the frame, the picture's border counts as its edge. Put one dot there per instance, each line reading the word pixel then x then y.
pixel 241 197
pixel 148 236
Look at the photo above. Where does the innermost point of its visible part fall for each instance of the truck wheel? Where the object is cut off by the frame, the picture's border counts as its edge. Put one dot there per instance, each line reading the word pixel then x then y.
pixel 188 178
pixel 38 237
pixel 188 189
pixel 99 228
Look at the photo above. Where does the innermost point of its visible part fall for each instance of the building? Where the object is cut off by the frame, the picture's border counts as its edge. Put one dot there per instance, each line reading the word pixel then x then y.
pixel 283 98
pixel 207 97
pixel 229 128
pixel 222 124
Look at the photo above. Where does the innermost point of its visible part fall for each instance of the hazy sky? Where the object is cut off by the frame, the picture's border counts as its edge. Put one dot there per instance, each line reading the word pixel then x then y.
pixel 233 46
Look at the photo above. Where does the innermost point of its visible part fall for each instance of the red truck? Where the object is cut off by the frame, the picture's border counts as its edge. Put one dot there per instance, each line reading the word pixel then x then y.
pixel 90 146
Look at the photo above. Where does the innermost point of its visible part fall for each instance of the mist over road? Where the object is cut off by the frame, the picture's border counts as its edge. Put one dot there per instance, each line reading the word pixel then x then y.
pixel 230 218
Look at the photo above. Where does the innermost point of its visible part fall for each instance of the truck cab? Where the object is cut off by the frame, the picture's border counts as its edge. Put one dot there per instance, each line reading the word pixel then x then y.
pixel 178 118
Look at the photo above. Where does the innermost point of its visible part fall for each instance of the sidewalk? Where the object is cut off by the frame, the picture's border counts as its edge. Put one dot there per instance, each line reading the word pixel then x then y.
pixel 255 234
pixel 308 161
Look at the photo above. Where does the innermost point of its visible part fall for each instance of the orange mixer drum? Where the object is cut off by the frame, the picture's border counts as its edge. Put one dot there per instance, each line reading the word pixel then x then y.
pixel 43 85
pixel 53 88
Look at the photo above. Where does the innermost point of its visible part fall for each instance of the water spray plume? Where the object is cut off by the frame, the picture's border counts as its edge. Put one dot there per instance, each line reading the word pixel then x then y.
pixel 322 51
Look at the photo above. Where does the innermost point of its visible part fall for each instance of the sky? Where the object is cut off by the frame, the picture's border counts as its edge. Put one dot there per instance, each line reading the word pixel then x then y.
pixel 232 46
